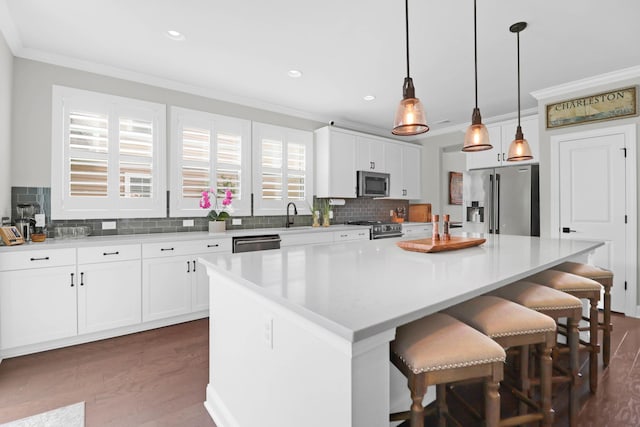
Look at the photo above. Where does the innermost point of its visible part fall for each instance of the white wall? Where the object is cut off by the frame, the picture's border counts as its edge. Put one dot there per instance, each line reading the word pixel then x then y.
pixel 32 112
pixel 6 76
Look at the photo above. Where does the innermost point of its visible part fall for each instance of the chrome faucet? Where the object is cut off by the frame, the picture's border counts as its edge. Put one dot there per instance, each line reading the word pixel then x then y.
pixel 295 212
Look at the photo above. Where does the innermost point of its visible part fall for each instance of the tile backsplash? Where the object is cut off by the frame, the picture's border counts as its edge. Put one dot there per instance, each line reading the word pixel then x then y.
pixel 353 209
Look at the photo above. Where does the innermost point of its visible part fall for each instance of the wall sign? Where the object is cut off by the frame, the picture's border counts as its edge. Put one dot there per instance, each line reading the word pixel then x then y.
pixel 615 104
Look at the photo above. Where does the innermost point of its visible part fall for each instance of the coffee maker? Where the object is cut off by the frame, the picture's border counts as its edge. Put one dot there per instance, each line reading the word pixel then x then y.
pixel 26 218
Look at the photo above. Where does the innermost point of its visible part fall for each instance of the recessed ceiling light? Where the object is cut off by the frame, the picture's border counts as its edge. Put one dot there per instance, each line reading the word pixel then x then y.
pixel 369 97
pixel 294 74
pixel 175 35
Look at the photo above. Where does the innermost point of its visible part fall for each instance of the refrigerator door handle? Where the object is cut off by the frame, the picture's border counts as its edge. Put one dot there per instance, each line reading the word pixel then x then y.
pixel 497 226
pixel 491 204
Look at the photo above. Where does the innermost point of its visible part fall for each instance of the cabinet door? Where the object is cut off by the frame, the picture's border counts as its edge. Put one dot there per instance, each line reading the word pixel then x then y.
pixel 488 158
pixel 370 154
pixel 395 170
pixel 166 287
pixel 37 305
pixel 335 163
pixel 109 295
pixel 200 295
pixel 411 176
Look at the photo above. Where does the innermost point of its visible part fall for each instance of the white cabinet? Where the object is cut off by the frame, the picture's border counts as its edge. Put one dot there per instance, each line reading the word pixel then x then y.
pixel 310 238
pixel 335 163
pixel 109 287
pixel 403 165
pixel 370 154
pixel 500 135
pixel 172 280
pixel 37 296
pixel 347 235
pixel 417 230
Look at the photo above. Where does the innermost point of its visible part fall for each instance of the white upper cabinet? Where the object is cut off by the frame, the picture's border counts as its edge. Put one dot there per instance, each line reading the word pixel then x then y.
pixel 370 154
pixel 500 135
pixel 403 165
pixel 335 163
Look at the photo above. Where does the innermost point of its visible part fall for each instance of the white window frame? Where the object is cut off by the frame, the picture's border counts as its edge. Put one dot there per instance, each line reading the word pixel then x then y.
pixel 286 135
pixel 63 206
pixel 214 123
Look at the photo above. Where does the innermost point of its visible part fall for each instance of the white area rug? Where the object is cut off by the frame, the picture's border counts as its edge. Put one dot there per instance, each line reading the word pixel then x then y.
pixel 67 416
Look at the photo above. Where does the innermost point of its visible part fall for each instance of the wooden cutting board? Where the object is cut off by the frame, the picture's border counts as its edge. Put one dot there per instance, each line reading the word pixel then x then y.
pixel 430 246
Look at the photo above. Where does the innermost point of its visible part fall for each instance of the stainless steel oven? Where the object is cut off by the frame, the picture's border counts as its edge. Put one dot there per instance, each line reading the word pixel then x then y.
pixel 379 229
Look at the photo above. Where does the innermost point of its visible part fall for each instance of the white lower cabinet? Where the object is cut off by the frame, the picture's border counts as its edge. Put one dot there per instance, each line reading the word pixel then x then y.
pixel 173 283
pixel 37 303
pixel 410 230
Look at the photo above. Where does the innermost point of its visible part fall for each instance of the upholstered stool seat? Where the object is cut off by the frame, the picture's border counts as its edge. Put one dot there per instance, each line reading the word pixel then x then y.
pixel 583 288
pixel 555 304
pixel 439 349
pixel 605 278
pixel 510 325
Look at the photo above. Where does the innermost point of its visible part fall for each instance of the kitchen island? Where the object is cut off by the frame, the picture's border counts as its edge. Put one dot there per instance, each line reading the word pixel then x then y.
pixel 300 336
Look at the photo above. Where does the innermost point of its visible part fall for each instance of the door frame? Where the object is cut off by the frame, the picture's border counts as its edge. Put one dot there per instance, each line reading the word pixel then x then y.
pixel 631 257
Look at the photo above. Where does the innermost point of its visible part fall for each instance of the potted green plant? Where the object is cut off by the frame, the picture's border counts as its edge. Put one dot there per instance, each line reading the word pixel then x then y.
pixel 326 209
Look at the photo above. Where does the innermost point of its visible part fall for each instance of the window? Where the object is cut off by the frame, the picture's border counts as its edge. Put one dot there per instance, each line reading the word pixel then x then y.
pixel 209 151
pixel 283 173
pixel 108 156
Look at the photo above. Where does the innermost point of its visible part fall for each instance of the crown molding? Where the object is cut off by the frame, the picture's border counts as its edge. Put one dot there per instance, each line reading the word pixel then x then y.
pixel 8 29
pixel 587 83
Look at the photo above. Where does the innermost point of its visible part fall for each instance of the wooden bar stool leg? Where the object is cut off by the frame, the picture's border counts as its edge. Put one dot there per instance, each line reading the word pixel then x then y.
pixel 441 401
pixel 606 331
pixel 574 366
pixel 525 377
pixel 545 383
pixel 593 342
pixel 492 401
pixel 418 388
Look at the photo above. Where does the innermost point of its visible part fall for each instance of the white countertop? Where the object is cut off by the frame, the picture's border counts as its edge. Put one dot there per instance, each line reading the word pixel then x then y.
pixel 359 289
pixel 172 237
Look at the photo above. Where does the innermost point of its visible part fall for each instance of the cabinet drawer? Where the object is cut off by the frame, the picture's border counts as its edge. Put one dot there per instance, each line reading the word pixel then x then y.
pixel 339 236
pixel 108 253
pixel 26 259
pixel 159 250
pixel 306 238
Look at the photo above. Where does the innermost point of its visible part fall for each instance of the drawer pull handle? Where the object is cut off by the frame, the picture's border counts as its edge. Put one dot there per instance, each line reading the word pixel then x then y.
pixel 194 265
pixel 166 249
pixel 111 253
pixel 188 267
pixel 81 279
pixel 46 258
pixel 213 246
pixel 343 235
pixel 72 280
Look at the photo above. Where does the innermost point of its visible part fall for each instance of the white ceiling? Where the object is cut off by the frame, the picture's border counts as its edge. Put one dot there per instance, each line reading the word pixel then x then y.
pixel 241 50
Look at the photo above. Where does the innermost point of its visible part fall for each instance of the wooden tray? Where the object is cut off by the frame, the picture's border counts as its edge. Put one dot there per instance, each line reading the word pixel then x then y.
pixel 429 246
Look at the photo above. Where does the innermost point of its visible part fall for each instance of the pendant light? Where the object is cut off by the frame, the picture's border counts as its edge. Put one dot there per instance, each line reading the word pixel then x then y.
pixel 410 118
pixel 519 149
pixel 477 136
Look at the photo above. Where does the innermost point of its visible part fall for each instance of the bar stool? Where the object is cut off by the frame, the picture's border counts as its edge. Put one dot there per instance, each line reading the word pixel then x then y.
pixel 512 325
pixel 582 288
pixel 439 349
pixel 605 278
pixel 555 304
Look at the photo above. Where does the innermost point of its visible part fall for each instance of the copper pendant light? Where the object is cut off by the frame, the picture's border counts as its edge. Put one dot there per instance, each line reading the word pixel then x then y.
pixel 477 136
pixel 410 118
pixel 519 149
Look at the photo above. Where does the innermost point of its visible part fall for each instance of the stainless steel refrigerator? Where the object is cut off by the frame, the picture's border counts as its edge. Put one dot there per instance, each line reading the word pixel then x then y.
pixel 502 200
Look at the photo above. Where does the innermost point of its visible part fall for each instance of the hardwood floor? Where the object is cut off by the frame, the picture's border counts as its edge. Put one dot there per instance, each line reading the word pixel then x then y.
pixel 158 378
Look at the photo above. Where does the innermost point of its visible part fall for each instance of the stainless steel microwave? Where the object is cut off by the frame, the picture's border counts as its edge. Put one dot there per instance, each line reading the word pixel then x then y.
pixel 373 184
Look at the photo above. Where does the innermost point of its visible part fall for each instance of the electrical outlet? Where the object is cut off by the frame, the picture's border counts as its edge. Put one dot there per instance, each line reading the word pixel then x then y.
pixel 236 221
pixel 187 223
pixel 268 332
pixel 330 214
pixel 108 225
pixel 391 212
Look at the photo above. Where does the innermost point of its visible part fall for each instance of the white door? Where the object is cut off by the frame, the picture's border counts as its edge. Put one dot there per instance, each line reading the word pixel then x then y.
pixel 593 193
pixel 166 287
pixel 109 295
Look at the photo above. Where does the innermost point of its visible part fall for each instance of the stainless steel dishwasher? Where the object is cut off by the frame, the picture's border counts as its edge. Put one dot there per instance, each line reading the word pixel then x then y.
pixel 256 243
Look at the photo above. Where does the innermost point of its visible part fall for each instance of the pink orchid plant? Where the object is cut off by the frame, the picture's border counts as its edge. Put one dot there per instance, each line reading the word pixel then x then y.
pixel 217 214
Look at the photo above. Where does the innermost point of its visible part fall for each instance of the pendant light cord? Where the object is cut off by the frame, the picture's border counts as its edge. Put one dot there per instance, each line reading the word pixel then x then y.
pixel 518 41
pixel 406 18
pixel 475 49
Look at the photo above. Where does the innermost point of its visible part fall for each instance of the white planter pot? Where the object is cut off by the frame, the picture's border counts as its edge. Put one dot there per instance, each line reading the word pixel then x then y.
pixel 217 227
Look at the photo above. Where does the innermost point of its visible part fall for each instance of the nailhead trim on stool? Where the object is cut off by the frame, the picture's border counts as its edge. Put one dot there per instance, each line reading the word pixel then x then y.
pixel 583 288
pixel 439 349
pixel 510 325
pixel 605 278
pixel 555 304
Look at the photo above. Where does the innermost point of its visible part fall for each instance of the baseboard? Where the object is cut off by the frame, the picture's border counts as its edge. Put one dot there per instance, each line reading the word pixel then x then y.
pixel 218 410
